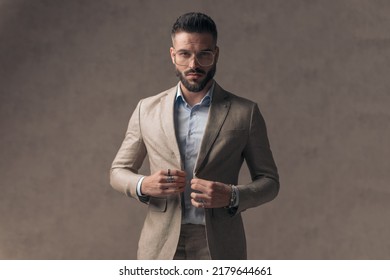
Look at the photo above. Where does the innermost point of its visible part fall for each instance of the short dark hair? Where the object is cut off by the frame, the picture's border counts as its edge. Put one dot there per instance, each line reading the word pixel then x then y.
pixel 195 23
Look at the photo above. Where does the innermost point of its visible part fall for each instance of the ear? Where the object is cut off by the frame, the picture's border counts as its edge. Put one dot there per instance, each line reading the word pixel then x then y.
pixel 172 51
pixel 216 54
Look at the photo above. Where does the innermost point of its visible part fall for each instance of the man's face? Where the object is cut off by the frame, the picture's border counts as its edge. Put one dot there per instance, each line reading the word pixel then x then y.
pixel 194 76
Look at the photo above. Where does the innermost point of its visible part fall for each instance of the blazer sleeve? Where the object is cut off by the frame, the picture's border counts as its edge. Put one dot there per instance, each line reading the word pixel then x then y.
pixel 257 153
pixel 124 169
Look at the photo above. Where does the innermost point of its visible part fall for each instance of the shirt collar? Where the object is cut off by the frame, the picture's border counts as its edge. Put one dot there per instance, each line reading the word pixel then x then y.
pixel 206 100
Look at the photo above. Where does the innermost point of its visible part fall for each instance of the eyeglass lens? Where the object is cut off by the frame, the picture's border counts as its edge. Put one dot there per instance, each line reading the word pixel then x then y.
pixel 204 58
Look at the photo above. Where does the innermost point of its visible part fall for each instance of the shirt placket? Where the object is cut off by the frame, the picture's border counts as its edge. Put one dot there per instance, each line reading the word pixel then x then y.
pixel 191 151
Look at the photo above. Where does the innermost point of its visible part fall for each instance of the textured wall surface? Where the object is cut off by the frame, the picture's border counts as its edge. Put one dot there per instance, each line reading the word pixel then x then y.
pixel 71 73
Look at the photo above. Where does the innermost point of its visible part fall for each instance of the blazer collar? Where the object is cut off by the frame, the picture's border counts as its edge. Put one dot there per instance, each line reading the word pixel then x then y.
pixel 219 109
pixel 168 121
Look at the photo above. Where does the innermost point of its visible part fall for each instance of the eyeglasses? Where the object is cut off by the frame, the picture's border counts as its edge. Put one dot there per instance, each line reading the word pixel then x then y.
pixel 204 58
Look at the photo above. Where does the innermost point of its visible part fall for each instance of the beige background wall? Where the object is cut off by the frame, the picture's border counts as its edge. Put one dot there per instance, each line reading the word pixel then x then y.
pixel 71 73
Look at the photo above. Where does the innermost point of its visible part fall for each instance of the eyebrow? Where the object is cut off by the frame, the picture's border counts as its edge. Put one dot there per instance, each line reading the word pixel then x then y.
pixel 185 50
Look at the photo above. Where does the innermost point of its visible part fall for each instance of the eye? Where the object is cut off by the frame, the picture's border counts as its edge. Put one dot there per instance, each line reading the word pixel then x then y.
pixel 204 54
pixel 184 54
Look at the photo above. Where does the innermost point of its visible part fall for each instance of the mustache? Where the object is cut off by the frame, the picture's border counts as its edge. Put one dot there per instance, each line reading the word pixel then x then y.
pixel 195 71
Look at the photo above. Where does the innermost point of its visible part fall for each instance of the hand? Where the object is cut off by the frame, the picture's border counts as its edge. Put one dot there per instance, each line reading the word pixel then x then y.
pixel 158 184
pixel 212 194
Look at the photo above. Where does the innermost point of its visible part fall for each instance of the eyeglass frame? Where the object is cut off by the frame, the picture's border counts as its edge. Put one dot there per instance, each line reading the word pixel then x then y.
pixel 194 54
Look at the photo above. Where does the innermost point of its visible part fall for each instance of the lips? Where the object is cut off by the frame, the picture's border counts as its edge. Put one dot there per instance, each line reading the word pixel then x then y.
pixel 194 74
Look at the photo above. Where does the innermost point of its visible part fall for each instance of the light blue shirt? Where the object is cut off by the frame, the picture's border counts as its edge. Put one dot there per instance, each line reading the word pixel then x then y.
pixel 190 124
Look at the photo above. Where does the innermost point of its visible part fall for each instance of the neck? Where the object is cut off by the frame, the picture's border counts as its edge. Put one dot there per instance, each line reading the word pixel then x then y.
pixel 193 98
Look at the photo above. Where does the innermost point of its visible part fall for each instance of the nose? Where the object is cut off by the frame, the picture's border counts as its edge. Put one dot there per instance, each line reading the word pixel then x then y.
pixel 193 63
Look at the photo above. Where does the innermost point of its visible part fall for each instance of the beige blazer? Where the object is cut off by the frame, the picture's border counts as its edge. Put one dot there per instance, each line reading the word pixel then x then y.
pixel 235 132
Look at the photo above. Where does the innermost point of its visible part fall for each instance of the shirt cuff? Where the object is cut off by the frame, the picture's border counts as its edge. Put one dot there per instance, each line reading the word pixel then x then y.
pixel 139 184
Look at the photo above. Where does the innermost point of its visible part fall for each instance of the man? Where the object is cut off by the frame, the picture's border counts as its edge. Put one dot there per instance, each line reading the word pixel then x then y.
pixel 196 136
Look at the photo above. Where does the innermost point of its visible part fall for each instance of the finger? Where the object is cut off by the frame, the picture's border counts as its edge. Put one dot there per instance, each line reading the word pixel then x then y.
pixel 179 179
pixel 204 184
pixel 200 182
pixel 199 204
pixel 207 185
pixel 166 172
pixel 173 180
pixel 177 189
pixel 174 186
pixel 200 197
pixel 178 173
pixel 198 187
pixel 180 189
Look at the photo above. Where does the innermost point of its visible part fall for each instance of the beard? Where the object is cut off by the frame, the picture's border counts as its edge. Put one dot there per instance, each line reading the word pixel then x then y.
pixel 197 86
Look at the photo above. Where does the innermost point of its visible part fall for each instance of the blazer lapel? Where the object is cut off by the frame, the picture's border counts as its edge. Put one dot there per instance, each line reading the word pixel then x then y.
pixel 219 109
pixel 168 121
